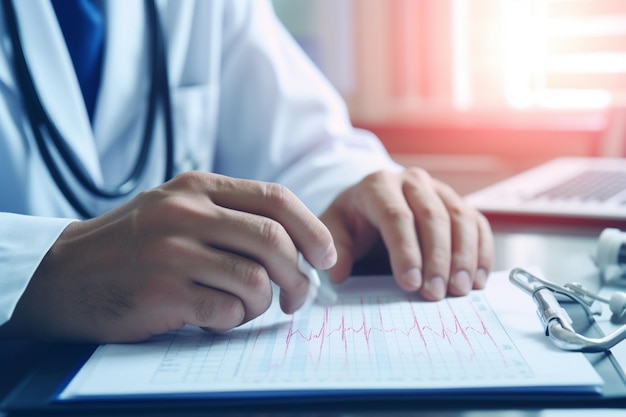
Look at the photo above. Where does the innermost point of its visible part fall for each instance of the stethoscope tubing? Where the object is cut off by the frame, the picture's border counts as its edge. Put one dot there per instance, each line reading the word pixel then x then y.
pixel 40 120
pixel 557 322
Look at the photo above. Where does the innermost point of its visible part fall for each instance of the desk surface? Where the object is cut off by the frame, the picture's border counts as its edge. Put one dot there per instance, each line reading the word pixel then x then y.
pixel 561 254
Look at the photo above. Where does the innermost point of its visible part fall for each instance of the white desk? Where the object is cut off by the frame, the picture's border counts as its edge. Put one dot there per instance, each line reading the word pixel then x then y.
pixel 563 254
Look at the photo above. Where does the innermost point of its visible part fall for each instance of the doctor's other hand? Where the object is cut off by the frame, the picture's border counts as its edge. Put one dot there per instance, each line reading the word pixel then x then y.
pixel 199 250
pixel 437 244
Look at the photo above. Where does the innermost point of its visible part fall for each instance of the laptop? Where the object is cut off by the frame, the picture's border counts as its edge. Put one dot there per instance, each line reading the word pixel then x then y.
pixel 585 189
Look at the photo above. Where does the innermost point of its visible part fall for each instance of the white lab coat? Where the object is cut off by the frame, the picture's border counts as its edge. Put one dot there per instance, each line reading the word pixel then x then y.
pixel 246 103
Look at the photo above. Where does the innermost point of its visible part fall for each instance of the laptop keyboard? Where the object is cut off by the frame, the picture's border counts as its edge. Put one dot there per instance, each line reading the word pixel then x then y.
pixel 592 185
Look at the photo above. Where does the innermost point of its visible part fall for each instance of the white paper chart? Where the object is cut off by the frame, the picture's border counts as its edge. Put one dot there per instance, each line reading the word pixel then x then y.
pixel 376 337
pixel 383 338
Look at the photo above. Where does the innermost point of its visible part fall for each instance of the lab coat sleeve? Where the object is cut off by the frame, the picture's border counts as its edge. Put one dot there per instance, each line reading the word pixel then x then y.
pixel 281 116
pixel 24 241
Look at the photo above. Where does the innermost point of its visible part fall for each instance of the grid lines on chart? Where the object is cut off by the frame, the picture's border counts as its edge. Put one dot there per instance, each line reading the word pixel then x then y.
pixel 386 338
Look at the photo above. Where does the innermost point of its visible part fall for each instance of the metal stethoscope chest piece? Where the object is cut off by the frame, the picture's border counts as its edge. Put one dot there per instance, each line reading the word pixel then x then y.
pixel 557 322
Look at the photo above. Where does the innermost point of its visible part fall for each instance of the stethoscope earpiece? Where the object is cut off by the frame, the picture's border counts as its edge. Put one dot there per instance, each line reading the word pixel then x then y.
pixel 610 254
pixel 617 304
pixel 611 260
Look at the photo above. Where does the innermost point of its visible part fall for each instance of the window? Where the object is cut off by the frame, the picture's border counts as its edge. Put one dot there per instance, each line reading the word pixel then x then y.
pixel 563 53
pixel 420 55
pixel 522 64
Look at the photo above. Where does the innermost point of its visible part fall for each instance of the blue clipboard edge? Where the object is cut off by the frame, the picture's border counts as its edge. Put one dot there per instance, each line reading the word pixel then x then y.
pixel 37 393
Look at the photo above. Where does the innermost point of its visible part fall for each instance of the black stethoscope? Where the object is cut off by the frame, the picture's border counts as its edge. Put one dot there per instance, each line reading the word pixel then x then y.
pixel 40 121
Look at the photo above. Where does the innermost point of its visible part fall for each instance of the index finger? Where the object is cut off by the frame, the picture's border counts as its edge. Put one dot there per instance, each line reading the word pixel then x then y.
pixel 385 206
pixel 276 202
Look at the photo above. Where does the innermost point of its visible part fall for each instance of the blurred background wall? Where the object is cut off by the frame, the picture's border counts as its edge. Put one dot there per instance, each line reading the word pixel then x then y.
pixel 492 86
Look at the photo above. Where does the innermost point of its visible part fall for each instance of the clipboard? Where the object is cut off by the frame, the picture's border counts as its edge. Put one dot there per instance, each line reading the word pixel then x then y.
pixel 37 393
pixel 33 396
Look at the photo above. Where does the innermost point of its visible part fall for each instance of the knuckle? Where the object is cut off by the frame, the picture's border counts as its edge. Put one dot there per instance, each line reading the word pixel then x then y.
pixel 158 207
pixel 417 182
pixel 272 233
pixel 458 212
pixel 151 195
pixel 396 213
pixel 417 174
pixel 258 283
pixel 378 176
pixel 228 313
pixel 173 207
pixel 277 195
pixel 143 215
pixel 434 213
pixel 254 276
pixel 179 210
pixel 189 179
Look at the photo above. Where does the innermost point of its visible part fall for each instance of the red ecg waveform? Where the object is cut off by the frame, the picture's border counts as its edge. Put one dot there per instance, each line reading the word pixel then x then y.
pixel 370 333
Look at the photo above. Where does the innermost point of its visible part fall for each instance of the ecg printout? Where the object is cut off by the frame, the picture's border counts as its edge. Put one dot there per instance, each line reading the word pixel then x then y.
pixel 384 338
pixel 376 337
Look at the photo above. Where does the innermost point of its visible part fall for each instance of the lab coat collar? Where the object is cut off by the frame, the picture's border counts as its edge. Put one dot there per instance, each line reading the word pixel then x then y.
pixel 125 76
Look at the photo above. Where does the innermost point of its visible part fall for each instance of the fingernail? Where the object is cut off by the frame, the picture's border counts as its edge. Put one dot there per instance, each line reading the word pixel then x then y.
pixel 480 278
pixel 413 277
pixel 462 282
pixel 330 257
pixel 436 287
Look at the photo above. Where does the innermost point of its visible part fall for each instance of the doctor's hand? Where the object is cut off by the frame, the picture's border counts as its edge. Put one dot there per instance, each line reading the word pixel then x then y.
pixel 198 250
pixel 437 244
